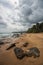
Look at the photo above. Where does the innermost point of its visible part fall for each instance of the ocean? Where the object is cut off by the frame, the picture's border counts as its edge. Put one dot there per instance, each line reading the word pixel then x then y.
pixel 9 34
pixel 2 35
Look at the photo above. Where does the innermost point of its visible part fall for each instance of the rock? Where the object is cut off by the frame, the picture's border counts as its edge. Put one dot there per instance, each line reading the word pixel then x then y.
pixel 19 53
pixel 1 43
pixel 12 45
pixel 28 53
pixel 33 52
pixel 25 44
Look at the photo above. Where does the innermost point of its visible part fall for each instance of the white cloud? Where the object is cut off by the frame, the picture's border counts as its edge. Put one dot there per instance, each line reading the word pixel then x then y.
pixel 9 17
pixel 20 14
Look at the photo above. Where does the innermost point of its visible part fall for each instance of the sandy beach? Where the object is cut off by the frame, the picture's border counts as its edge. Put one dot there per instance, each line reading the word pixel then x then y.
pixel 8 57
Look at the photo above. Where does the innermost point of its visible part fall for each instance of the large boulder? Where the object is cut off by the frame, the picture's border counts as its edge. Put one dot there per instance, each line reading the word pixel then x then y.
pixel 19 53
pixel 33 52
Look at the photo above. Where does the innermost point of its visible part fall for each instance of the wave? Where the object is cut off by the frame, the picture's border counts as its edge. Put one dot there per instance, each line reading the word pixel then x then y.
pixel 5 35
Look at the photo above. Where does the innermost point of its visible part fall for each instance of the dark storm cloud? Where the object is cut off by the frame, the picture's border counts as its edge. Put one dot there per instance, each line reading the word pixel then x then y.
pixel 26 10
pixel 32 10
pixel 40 3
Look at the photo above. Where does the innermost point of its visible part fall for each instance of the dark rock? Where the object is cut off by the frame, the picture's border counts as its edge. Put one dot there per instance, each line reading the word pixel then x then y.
pixel 19 53
pixel 28 53
pixel 12 45
pixel 1 43
pixel 25 44
pixel 33 52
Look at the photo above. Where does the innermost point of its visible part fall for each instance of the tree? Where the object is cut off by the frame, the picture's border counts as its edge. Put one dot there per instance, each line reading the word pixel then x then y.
pixel 36 28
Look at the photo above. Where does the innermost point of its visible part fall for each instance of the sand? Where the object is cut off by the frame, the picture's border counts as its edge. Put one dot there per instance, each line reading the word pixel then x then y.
pixel 9 57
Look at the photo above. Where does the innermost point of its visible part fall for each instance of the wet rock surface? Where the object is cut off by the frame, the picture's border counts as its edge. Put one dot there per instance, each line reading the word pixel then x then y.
pixel 19 53
pixel 33 52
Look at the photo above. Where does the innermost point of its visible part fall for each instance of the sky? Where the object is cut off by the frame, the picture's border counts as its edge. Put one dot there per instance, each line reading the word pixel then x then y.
pixel 19 15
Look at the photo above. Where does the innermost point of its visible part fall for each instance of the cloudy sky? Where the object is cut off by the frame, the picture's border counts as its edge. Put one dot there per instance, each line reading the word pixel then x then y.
pixel 19 15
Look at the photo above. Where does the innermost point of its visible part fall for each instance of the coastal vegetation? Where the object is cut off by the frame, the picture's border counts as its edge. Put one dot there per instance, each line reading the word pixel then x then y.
pixel 38 28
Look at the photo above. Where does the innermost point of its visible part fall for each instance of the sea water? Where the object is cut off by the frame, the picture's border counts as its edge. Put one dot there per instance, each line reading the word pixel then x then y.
pixel 2 35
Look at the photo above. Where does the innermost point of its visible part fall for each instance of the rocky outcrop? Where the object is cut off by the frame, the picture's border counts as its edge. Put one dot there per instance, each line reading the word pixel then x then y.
pixel 19 53
pixel 34 51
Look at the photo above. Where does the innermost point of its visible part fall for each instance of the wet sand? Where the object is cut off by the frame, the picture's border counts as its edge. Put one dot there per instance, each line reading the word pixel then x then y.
pixel 9 57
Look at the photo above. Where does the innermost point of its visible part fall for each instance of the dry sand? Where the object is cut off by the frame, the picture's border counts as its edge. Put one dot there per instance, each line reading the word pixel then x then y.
pixel 9 58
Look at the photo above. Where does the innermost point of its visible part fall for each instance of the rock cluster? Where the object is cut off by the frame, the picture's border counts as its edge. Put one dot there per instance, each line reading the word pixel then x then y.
pixel 20 53
pixel 31 52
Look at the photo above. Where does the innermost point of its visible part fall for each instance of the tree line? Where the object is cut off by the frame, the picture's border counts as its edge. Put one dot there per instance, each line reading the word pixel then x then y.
pixel 36 28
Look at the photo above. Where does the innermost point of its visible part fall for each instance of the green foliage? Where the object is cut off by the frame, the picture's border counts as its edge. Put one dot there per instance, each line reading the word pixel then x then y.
pixel 36 28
